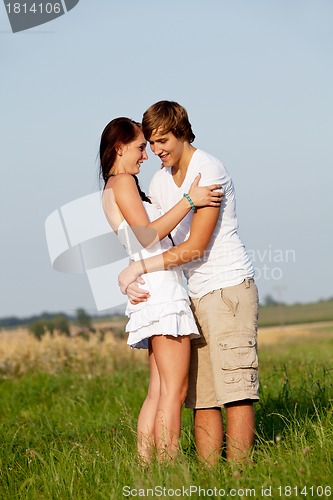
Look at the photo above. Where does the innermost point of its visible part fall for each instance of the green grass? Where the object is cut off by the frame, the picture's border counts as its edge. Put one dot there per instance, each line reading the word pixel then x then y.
pixel 296 313
pixel 71 434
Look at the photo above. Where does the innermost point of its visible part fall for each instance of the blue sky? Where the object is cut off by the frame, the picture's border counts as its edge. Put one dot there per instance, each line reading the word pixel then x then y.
pixel 256 78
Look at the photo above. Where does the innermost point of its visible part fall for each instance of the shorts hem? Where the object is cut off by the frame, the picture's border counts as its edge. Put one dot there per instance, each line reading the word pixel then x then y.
pixel 252 398
pixel 220 404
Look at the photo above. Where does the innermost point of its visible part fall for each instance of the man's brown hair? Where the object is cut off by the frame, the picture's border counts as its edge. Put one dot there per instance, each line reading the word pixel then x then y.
pixel 167 116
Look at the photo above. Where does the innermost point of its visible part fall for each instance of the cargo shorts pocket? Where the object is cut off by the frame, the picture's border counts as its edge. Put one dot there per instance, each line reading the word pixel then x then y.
pixel 238 351
pixel 242 381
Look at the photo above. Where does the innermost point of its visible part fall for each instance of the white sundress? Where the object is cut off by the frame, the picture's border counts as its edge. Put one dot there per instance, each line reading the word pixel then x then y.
pixel 167 311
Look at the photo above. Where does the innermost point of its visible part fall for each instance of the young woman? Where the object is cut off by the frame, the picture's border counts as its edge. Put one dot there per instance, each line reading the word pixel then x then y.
pixel 164 322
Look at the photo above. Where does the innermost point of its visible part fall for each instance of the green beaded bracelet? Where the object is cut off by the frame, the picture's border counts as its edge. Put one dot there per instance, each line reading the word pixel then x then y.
pixel 190 201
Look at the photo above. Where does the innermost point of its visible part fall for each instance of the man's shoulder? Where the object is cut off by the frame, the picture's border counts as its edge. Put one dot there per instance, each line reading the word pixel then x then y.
pixel 209 166
pixel 205 158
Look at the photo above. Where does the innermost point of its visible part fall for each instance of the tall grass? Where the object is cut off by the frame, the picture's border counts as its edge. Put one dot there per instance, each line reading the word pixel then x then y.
pixel 68 423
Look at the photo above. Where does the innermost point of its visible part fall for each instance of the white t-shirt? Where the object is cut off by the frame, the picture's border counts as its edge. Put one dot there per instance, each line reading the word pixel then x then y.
pixel 225 262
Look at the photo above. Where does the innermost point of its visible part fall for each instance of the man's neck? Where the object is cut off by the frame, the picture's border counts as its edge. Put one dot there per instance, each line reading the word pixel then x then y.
pixel 182 166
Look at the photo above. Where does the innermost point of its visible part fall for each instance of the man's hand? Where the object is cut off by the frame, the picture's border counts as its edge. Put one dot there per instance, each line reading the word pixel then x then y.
pixel 136 294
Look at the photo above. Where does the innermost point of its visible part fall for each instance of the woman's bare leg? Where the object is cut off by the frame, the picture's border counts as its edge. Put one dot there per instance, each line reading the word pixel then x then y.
pixel 172 356
pixel 146 420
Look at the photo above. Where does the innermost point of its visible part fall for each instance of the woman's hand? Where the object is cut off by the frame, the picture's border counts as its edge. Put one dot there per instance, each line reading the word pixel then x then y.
pixel 205 196
pixel 128 276
pixel 136 294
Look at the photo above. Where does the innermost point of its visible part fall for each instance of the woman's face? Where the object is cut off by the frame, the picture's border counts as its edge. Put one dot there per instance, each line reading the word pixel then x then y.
pixel 133 154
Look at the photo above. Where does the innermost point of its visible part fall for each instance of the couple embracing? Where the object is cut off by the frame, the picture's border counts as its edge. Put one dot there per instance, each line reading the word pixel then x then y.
pixel 202 350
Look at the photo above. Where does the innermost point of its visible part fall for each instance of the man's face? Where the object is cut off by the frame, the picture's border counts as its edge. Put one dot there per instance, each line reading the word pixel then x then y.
pixel 167 147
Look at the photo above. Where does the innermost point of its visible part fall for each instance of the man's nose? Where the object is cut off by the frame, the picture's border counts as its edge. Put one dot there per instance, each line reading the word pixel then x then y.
pixel 156 149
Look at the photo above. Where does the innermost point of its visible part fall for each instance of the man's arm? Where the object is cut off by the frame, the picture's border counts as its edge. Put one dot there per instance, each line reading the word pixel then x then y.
pixel 202 228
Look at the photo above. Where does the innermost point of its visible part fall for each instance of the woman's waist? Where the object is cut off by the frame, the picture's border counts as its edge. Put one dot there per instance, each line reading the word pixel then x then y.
pixel 164 278
pixel 168 295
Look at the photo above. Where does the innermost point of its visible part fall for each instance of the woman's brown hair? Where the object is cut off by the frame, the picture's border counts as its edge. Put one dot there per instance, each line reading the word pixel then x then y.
pixel 118 131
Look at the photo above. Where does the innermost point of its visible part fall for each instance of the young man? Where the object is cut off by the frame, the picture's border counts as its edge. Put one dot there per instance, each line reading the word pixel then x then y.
pixel 224 362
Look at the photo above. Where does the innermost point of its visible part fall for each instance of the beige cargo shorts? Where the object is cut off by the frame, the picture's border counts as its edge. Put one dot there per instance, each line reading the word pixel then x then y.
pixel 224 360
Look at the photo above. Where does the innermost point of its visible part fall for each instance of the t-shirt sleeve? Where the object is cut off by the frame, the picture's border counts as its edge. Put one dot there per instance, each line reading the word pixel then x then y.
pixel 213 173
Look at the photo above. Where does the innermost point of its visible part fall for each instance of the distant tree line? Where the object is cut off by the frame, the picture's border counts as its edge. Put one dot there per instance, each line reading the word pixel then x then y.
pixel 14 321
pixel 60 318
pixel 40 327
pixel 269 300
pixel 61 324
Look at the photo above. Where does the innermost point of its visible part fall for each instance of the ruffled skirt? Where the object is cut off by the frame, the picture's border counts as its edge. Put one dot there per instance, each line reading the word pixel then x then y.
pixel 167 318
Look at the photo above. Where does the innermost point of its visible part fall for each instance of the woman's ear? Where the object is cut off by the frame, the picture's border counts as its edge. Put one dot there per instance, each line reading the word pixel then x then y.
pixel 119 149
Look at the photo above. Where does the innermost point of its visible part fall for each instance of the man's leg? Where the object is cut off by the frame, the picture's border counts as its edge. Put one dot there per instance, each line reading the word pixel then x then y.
pixel 201 396
pixel 208 427
pixel 240 429
pixel 228 320
pixel 208 432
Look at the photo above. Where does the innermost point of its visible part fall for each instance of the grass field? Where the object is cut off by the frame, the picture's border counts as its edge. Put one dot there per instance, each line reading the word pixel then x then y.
pixel 284 314
pixel 68 418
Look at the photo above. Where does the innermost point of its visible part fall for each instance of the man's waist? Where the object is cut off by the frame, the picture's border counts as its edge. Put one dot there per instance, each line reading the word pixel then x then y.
pixel 200 283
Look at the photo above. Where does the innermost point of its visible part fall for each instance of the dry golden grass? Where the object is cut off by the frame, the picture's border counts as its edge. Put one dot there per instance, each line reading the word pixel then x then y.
pixel 102 352
pixel 20 352
pixel 291 333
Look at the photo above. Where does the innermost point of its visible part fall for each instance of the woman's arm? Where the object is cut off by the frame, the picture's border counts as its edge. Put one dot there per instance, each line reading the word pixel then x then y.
pixel 148 233
pixel 202 228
